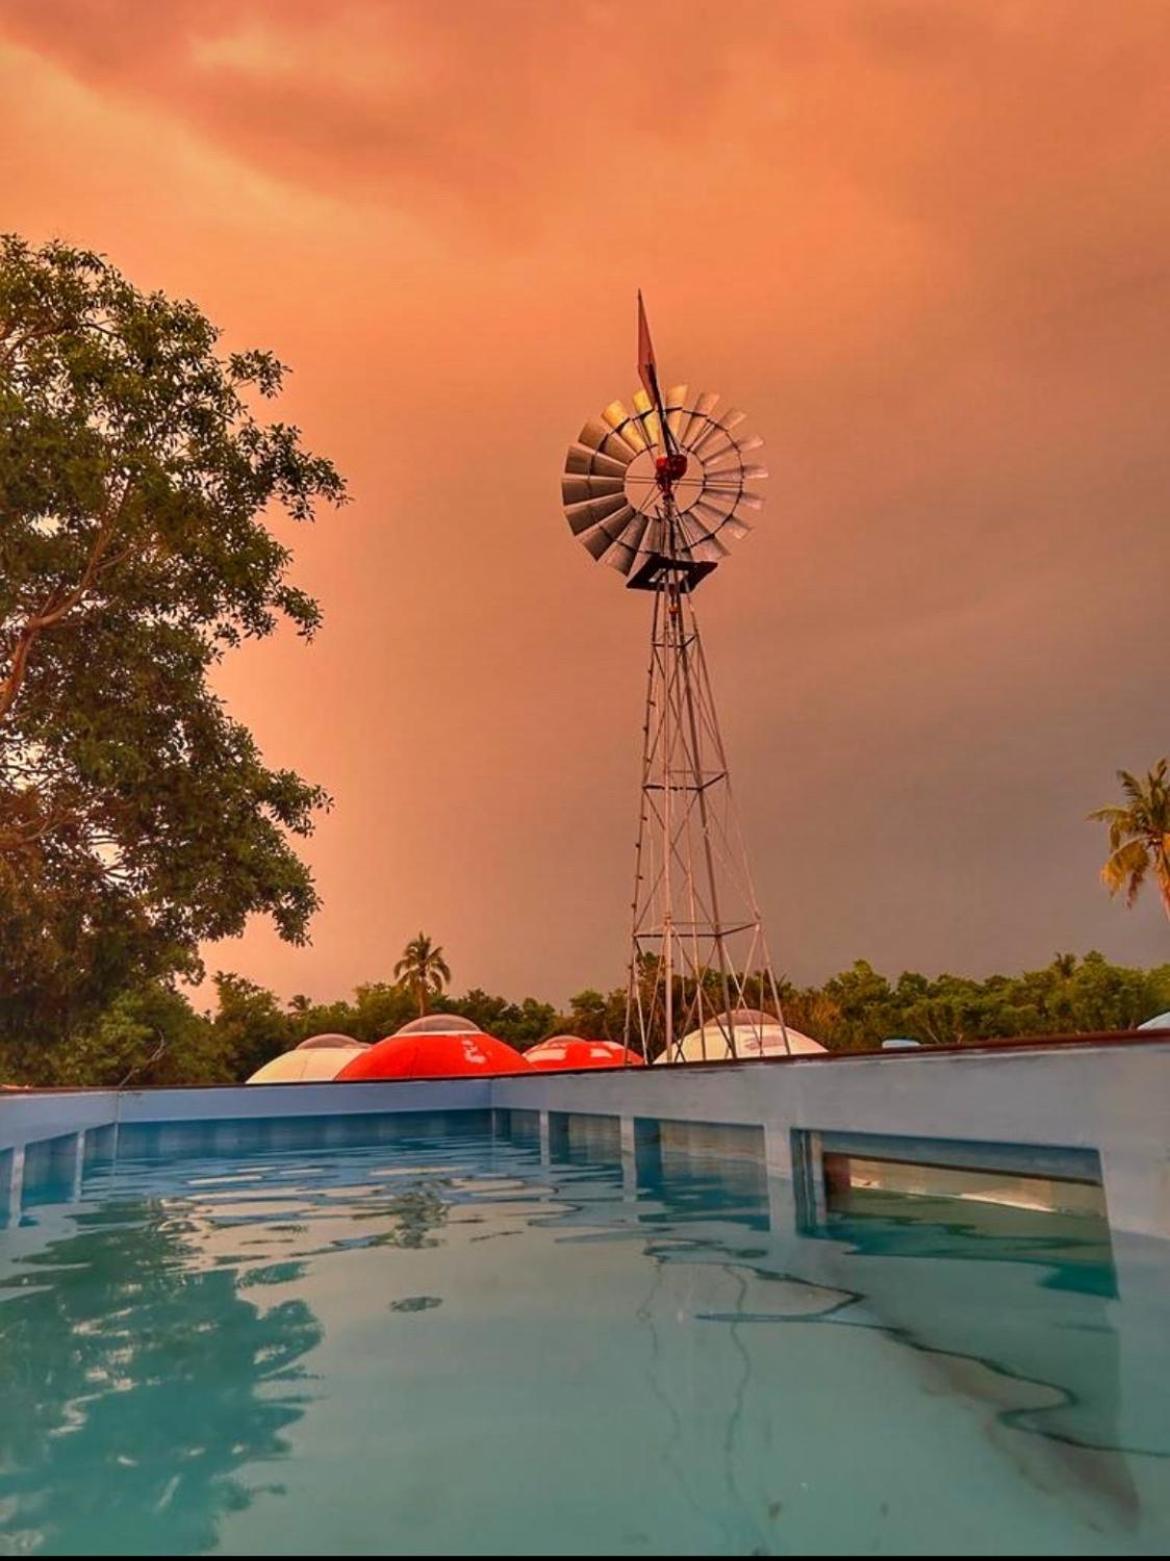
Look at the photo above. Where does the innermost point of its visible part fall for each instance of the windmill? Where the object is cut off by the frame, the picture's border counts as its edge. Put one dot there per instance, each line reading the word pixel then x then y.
pixel 659 492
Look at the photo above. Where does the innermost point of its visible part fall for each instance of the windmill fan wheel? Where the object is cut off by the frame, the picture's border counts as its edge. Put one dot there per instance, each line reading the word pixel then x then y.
pixel 625 513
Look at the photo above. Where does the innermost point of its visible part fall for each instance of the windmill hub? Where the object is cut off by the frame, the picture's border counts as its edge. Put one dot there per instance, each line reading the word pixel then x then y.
pixel 669 468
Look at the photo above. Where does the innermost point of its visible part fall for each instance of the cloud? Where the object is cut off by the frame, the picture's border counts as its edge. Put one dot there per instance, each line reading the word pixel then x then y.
pixel 505 111
pixel 926 245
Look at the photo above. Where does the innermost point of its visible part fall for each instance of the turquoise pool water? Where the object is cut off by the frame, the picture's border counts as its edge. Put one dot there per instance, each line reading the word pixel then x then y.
pixel 443 1341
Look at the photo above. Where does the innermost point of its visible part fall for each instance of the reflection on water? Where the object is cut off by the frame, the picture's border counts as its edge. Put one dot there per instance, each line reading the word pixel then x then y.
pixel 442 1343
pixel 135 1383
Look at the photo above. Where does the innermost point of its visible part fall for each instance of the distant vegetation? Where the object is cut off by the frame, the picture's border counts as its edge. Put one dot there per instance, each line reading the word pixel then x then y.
pixel 153 1035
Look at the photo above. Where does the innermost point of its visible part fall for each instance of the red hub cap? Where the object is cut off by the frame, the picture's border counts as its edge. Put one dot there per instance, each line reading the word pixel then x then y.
pixel 669 468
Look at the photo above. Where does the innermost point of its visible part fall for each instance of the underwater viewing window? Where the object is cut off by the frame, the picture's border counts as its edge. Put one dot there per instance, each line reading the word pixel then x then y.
pixel 846 1173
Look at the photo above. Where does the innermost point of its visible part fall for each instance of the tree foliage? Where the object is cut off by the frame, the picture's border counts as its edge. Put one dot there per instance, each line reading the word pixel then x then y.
pixel 1139 835
pixel 137 818
pixel 424 970
pixel 149 1035
pixel 152 1034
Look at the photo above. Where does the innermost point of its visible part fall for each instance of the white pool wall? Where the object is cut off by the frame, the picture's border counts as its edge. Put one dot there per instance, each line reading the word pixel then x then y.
pixel 1112 1098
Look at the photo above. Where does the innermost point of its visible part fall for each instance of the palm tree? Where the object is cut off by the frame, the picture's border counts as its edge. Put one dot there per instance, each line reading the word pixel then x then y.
pixel 1139 835
pixel 423 968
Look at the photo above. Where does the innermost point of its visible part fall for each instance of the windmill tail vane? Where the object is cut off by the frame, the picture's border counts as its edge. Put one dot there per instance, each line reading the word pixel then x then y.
pixel 659 491
pixel 648 367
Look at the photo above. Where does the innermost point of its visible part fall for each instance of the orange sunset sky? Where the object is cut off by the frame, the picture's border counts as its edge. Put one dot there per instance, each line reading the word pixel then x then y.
pixel 925 245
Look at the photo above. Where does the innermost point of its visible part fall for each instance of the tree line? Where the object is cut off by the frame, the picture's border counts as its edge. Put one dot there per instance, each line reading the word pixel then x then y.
pixel 153 1034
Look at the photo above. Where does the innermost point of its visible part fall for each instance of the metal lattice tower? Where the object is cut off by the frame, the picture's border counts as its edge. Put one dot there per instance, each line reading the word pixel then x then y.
pixel 657 493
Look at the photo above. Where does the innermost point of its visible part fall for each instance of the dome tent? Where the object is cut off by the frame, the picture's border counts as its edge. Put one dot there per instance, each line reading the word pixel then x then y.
pixel 437 1046
pixel 314 1061
pixel 560 1053
pixel 756 1034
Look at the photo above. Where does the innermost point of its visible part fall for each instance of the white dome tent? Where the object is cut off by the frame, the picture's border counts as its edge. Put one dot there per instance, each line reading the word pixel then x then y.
pixel 315 1061
pixel 756 1034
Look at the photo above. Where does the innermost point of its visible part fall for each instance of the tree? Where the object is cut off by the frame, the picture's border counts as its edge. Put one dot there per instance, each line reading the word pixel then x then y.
pixel 423 969
pixel 149 1035
pixel 379 1008
pixel 249 1027
pixel 520 1024
pixel 137 818
pixel 590 1017
pixel 1139 835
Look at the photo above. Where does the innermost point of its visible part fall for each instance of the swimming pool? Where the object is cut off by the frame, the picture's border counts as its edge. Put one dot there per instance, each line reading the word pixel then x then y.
pixel 445 1336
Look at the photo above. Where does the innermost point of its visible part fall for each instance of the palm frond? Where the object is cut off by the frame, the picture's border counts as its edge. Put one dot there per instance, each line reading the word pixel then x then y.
pixel 1126 869
pixel 1106 814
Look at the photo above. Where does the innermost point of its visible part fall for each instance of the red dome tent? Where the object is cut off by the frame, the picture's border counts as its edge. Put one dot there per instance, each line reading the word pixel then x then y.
pixel 560 1053
pixel 428 1049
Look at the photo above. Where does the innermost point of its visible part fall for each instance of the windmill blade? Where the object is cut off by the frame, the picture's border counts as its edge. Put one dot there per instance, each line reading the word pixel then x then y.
pixel 705 409
pixel 725 519
pixel 624 551
pixel 653 541
pixel 676 413
pixel 726 448
pixel 689 530
pixel 593 512
pixel 701 544
pixel 724 494
pixel 625 424
pixel 713 515
pixel 709 439
pixel 576 490
pixel 648 419
pixel 731 500
pixel 732 478
pixel 731 456
pixel 708 550
pixel 712 444
pixel 690 422
pixel 686 422
pixel 597 543
pixel 581 459
pixel 597 436
pixel 608 533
